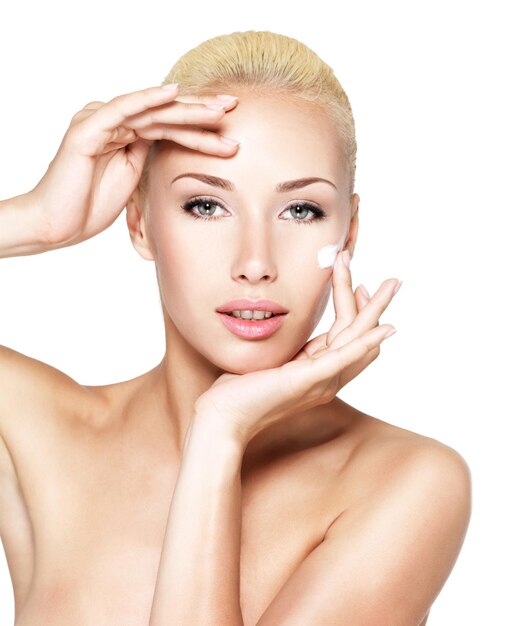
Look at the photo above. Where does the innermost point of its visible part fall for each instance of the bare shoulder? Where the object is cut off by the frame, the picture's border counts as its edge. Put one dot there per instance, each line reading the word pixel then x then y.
pixel 401 506
pixel 400 468
pixel 32 391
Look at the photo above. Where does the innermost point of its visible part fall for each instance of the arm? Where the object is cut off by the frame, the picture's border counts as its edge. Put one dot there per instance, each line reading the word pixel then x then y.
pixel 198 581
pixel 21 227
pixel 384 562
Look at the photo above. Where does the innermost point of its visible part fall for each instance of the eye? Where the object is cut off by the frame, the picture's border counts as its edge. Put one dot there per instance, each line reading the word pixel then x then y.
pixel 300 209
pixel 206 204
pixel 206 208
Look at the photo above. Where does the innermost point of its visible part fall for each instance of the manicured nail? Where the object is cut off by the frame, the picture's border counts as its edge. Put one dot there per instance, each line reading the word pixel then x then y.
pixel 216 107
pixel 366 293
pixel 346 258
pixel 397 287
pixel 169 86
pixel 226 97
pixel 229 141
pixel 390 332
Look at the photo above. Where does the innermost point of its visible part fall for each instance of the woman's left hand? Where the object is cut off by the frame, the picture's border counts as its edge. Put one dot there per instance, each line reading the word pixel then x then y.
pixel 245 404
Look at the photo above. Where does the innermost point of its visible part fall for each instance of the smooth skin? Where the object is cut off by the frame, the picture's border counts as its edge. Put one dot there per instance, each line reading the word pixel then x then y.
pixel 305 512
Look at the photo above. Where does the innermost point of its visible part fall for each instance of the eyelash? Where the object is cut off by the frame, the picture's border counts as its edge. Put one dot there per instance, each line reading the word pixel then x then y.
pixel 318 213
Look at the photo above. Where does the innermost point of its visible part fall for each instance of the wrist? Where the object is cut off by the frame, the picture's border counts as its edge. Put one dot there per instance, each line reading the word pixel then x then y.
pixel 21 229
pixel 211 429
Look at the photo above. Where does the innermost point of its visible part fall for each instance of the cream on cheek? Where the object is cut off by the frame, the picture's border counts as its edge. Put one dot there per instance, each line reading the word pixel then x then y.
pixel 327 255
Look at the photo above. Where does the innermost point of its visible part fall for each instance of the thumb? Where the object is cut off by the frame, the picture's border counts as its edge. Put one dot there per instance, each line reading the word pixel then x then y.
pixel 137 153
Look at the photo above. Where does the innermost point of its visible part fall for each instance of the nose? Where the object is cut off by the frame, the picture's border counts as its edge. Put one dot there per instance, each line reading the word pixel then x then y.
pixel 254 261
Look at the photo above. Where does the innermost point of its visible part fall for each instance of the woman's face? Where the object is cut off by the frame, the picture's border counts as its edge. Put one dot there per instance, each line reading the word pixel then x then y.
pixel 245 238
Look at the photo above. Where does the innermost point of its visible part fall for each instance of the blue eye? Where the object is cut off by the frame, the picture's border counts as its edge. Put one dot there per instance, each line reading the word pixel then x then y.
pixel 207 204
pixel 303 208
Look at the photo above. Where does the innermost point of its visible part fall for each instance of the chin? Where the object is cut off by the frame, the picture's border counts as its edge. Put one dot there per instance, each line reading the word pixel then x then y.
pixel 254 363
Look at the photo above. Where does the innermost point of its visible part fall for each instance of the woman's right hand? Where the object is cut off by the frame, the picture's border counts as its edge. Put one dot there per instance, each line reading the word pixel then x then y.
pixel 102 155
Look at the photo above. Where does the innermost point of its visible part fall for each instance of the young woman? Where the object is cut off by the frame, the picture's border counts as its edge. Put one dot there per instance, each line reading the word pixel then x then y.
pixel 229 485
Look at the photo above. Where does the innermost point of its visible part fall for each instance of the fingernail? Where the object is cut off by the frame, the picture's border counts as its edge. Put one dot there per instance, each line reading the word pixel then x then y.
pixel 346 258
pixel 366 293
pixel 216 107
pixel 226 97
pixel 390 332
pixel 229 141
pixel 168 86
pixel 397 287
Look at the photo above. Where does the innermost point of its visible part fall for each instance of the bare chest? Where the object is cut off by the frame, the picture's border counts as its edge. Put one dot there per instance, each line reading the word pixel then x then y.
pixel 87 524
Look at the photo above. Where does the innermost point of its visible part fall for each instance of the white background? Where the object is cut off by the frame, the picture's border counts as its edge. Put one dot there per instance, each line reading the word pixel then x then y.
pixel 436 89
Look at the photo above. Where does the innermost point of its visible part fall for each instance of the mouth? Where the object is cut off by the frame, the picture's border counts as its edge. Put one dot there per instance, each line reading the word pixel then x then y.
pixel 252 310
pixel 252 315
pixel 252 319
pixel 252 328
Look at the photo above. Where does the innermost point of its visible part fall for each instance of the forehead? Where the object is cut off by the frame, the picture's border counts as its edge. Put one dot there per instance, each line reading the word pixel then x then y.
pixel 276 133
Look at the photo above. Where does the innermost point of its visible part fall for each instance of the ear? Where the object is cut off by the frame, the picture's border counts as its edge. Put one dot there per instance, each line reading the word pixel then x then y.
pixel 138 231
pixel 351 238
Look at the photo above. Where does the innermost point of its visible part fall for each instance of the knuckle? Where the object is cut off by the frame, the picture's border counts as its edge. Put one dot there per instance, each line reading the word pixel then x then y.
pixel 94 104
pixel 73 135
pixel 148 118
pixel 119 101
pixel 116 99
pixel 78 116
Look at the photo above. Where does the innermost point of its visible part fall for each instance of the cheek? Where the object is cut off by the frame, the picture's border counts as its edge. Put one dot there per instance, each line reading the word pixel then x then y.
pixel 176 262
pixel 309 302
pixel 321 299
pixel 180 248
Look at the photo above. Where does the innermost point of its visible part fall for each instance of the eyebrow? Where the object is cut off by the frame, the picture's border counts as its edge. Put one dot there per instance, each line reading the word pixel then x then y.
pixel 288 185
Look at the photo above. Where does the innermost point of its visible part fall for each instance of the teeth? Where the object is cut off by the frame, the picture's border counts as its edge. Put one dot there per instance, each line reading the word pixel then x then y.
pixel 248 315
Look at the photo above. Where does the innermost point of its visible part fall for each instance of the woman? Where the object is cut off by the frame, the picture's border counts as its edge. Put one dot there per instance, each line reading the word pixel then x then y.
pixel 229 484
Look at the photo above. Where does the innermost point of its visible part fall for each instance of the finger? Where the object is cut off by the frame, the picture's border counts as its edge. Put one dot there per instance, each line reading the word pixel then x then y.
pixel 361 297
pixel 89 135
pixel 368 317
pixel 121 137
pixel 179 113
pixel 88 109
pixel 343 298
pixel 311 347
pixel 95 104
pixel 200 139
pixel 86 112
pixel 121 107
pixel 335 360
pixel 351 372
pixel 208 99
pixel 137 154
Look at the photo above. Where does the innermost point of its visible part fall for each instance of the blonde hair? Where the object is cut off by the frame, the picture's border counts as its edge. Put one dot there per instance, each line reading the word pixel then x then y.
pixel 264 61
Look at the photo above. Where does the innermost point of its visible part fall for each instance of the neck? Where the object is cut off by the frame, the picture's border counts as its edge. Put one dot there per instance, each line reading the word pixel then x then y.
pixel 167 396
pixel 181 377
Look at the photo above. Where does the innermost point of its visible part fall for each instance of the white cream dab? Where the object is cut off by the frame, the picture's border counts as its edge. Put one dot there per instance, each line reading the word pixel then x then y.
pixel 327 255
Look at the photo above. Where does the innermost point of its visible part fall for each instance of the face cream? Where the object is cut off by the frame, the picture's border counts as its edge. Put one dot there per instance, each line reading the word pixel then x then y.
pixel 327 255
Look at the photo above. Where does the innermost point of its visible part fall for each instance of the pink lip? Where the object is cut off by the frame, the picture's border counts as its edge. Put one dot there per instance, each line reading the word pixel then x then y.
pixel 256 329
pixel 246 304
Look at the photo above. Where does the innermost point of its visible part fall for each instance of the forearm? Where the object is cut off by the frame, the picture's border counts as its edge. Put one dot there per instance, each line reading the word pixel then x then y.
pixel 21 227
pixel 198 581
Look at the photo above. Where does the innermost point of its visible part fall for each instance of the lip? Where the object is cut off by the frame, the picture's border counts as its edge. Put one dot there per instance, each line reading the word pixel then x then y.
pixel 245 304
pixel 259 329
